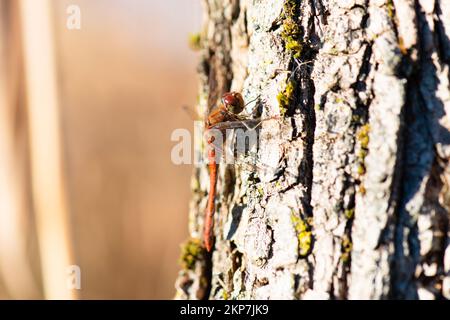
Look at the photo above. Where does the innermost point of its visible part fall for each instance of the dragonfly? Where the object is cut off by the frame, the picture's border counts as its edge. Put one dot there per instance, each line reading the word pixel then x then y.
pixel 225 115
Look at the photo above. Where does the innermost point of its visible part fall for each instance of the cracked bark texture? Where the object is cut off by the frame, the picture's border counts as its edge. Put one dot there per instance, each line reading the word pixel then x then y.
pixel 357 206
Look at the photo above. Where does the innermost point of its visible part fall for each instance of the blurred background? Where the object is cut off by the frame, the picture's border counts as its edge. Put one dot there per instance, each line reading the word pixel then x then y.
pixel 86 116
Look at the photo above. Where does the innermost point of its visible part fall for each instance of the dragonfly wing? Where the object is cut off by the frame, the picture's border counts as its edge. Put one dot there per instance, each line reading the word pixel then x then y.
pixel 249 124
pixel 250 162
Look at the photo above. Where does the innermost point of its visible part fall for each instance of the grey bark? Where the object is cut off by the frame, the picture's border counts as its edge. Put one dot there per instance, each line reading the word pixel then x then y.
pixel 361 153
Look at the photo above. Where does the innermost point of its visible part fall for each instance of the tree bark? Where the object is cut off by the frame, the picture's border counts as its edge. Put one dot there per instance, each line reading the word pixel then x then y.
pixel 358 204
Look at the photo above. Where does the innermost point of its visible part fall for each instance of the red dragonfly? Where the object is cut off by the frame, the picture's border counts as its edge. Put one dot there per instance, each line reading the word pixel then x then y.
pixel 223 116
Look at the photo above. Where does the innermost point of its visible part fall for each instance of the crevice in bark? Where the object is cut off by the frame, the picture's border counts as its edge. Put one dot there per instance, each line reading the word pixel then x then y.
pixel 431 263
pixel 443 41
pixel 361 85
pixel 435 258
pixel 346 257
pixel 235 10
pixel 422 227
pixel 401 272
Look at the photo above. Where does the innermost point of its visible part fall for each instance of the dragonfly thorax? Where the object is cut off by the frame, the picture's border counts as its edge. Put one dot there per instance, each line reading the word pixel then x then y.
pixel 234 102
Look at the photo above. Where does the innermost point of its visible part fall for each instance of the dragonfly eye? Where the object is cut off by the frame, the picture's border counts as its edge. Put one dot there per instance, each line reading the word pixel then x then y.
pixel 233 101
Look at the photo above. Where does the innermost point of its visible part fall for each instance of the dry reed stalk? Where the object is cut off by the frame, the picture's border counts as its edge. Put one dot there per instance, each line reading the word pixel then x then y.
pixel 15 225
pixel 48 178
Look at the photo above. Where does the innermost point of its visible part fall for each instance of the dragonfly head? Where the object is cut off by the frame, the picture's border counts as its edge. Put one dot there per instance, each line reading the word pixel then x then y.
pixel 234 102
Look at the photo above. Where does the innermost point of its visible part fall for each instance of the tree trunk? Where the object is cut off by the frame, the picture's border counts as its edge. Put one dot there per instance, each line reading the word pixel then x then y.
pixel 358 206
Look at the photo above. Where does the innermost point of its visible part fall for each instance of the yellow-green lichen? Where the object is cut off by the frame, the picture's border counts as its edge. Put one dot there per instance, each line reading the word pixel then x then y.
pixel 361 169
pixel 260 190
pixel 390 9
pixel 362 153
pixel 295 46
pixel 286 97
pixel 346 249
pixel 363 140
pixel 191 251
pixel 291 32
pixel 363 136
pixel 339 100
pixel 304 234
pixel 349 213
pixel 225 295
pixel 195 41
